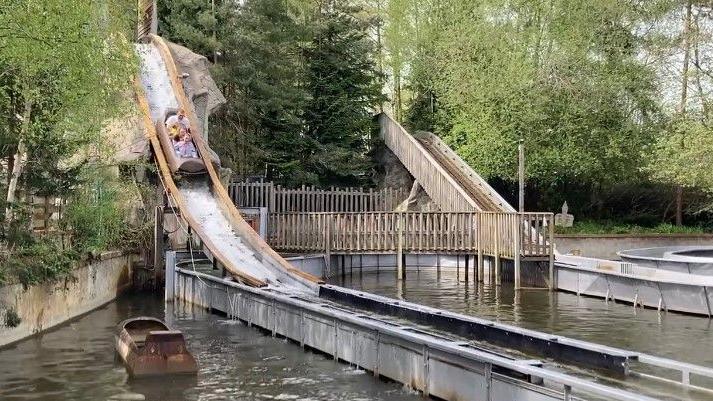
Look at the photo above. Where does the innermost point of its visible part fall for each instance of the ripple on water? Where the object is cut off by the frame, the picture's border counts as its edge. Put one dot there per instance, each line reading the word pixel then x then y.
pixel 76 362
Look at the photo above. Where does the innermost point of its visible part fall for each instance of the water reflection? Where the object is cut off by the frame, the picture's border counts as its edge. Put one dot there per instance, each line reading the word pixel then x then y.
pixel 677 336
pixel 77 362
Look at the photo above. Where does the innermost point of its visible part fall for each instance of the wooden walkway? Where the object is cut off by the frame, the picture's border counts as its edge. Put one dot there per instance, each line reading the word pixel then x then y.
pixel 503 235
pixel 473 218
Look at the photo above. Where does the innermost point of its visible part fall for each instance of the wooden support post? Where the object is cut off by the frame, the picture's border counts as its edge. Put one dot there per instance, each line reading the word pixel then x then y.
pixel 400 265
pixel 481 268
pixel 467 266
pixel 517 254
pixel 551 248
pixel 328 245
pixel 497 252
pixel 158 263
pixel 188 239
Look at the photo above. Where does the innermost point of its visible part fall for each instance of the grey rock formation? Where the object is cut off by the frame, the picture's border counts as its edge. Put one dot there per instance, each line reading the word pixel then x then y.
pixel 199 85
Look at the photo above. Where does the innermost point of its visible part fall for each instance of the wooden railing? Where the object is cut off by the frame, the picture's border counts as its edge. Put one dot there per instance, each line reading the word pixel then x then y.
pixel 496 234
pixel 479 189
pixel 434 179
pixel 147 20
pixel 310 199
pixel 47 213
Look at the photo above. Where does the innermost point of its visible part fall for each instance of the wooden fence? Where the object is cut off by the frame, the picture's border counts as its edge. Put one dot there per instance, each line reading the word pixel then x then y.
pixel 147 22
pixel 496 234
pixel 46 215
pixel 434 179
pixel 310 199
pixel 47 212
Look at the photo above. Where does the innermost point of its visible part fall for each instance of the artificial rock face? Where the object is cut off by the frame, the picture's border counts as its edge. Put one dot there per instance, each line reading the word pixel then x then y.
pixel 198 84
pixel 126 134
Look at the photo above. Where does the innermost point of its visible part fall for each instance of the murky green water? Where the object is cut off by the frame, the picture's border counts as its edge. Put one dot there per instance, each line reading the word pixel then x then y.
pixel 77 362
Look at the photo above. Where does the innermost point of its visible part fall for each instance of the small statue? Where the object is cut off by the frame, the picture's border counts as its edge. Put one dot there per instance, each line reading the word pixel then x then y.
pixel 564 219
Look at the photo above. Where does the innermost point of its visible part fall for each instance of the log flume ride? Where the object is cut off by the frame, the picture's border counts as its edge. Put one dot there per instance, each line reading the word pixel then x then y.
pixel 206 210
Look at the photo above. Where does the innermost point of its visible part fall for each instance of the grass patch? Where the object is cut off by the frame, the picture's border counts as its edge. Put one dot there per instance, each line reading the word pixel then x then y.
pixel 613 227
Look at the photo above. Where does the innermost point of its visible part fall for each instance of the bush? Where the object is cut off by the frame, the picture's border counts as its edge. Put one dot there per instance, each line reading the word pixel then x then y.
pixel 12 319
pixel 622 227
pixel 96 215
pixel 41 261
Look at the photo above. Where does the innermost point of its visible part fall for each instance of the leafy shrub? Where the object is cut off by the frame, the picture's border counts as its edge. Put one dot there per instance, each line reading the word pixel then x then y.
pixel 41 261
pixel 12 319
pixel 96 215
pixel 617 227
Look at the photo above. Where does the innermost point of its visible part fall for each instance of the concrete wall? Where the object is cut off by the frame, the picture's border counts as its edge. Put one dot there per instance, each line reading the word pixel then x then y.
pixel 607 245
pixel 44 306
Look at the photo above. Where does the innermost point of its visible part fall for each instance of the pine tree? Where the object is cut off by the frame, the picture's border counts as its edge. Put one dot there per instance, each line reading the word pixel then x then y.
pixel 260 75
pixel 345 90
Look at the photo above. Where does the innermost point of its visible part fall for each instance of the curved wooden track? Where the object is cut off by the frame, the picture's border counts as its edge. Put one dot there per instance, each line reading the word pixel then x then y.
pixel 262 251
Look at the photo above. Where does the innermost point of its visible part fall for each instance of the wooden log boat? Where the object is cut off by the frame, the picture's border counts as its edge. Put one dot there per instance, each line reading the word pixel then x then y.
pixel 190 165
pixel 148 347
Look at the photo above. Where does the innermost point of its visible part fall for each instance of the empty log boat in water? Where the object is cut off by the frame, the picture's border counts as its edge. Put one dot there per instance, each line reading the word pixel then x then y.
pixel 148 347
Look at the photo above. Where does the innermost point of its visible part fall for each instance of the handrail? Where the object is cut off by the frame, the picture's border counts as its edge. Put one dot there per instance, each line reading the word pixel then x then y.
pixel 262 251
pixel 434 179
pixel 474 180
pixel 492 233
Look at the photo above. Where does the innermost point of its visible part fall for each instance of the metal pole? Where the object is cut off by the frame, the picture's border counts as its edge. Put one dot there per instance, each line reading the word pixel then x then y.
pixel 521 175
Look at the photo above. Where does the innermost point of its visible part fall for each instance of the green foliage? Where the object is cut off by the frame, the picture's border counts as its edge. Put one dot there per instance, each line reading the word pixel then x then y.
pixel 40 261
pixel 193 22
pixel 65 66
pixel 616 227
pixel 683 154
pixel 96 215
pixel 260 73
pixel 343 84
pixel 12 319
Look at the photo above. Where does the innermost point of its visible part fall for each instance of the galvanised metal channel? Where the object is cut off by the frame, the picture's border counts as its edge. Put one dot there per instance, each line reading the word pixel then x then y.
pixel 559 348
pixel 545 345
pixel 432 364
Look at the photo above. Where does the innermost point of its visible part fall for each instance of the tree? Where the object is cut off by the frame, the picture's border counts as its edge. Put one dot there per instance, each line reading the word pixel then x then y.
pixel 194 23
pixel 261 75
pixel 680 157
pixel 64 67
pixel 563 76
pixel 345 88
